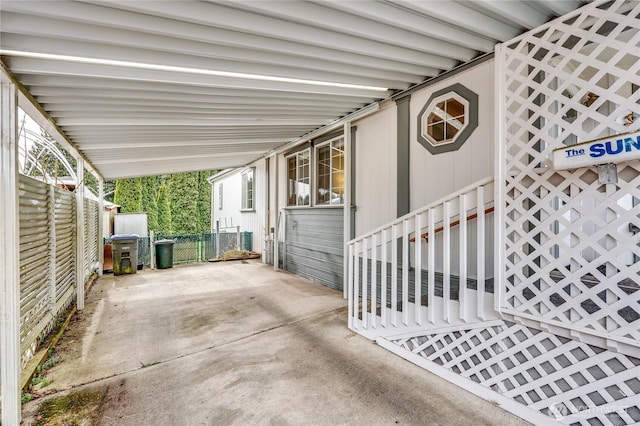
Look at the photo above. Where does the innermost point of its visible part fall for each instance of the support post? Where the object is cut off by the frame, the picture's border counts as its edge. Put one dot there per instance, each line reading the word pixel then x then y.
pixel 80 234
pixel 9 255
pixel 100 225
pixel 217 239
pixel 276 228
pixel 347 205
pixel 238 239
pixel 152 252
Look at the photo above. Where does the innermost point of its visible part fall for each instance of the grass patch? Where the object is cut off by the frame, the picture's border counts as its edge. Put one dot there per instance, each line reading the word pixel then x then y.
pixel 78 408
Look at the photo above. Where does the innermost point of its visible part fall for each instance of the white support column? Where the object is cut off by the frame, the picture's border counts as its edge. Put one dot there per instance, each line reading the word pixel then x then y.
pixel 9 255
pixel 276 228
pixel 100 225
pixel 500 185
pixel 80 233
pixel 347 200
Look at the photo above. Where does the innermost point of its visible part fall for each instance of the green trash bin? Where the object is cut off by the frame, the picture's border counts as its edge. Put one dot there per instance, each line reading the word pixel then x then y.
pixel 164 254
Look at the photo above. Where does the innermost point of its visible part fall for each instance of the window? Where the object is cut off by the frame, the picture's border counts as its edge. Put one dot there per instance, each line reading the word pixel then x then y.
pixel 298 177
pixel 330 173
pixel 220 196
pixel 448 119
pixel 445 120
pixel 247 190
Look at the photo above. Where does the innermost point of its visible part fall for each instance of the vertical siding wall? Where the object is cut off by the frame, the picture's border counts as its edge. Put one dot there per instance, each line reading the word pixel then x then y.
pixel 314 244
pixel 376 177
pixel 431 176
pixel 435 176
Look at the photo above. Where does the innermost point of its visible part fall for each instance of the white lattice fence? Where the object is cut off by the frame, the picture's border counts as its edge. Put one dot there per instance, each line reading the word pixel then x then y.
pixel 571 254
pixel 570 381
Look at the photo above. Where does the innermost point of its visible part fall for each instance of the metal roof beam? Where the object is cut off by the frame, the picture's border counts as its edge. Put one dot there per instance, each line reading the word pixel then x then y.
pixel 463 17
pixel 68 118
pixel 233 19
pixel 390 14
pixel 287 68
pixel 25 65
pixel 319 16
pixel 122 19
pixel 514 11
pixel 101 84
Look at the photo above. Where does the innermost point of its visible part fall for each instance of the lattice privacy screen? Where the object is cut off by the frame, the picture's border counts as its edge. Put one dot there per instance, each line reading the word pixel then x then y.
pixel 570 381
pixel 571 256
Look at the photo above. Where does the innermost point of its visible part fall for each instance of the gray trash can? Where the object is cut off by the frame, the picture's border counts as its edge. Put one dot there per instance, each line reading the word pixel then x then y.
pixel 125 254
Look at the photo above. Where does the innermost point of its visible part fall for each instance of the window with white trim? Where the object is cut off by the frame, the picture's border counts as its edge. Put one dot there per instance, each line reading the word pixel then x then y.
pixel 247 189
pixel 220 196
pixel 299 179
pixel 330 172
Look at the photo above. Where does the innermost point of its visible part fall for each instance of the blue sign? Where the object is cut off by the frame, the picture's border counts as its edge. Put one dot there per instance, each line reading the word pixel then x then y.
pixel 615 149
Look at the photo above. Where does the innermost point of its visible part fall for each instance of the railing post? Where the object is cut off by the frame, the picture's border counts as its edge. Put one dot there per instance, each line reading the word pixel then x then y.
pixel 9 254
pixel 383 280
pixel 365 284
pixel 350 285
pixel 480 276
pixel 446 260
pixel 374 278
pixel 462 283
pixel 431 266
pixel 405 272
pixel 394 274
pixel 418 268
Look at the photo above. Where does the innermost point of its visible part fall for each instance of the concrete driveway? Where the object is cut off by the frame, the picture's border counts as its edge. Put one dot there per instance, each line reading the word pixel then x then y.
pixel 237 343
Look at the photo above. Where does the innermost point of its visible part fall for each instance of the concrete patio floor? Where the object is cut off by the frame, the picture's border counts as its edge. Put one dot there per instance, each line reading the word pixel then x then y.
pixel 237 343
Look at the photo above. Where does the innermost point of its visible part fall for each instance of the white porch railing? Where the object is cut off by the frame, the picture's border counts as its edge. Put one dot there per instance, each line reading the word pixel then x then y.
pixel 428 269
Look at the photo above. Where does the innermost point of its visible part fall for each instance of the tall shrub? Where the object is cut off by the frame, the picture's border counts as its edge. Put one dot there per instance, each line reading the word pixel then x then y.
pixel 164 211
pixel 150 201
pixel 128 195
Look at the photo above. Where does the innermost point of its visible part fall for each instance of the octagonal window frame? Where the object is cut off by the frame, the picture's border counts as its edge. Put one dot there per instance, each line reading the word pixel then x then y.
pixel 463 95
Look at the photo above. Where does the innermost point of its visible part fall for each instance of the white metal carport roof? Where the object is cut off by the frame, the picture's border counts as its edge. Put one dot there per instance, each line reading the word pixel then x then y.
pixel 150 87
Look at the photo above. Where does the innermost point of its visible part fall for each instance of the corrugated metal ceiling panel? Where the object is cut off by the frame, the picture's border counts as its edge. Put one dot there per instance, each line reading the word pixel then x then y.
pixel 201 85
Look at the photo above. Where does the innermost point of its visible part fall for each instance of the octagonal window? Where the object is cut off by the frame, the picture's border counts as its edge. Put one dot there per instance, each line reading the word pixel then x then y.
pixel 445 120
pixel 448 119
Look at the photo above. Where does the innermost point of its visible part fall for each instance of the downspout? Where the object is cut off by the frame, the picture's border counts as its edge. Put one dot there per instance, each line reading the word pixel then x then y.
pixel 347 206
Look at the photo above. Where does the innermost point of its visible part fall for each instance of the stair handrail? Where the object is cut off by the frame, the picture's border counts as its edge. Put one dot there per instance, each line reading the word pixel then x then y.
pixel 448 197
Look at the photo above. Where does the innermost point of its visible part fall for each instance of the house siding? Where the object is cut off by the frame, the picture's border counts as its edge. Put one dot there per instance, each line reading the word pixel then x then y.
pixel 314 245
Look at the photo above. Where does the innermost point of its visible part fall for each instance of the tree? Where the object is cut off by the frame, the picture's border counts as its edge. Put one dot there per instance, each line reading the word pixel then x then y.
pixel 183 191
pixel 204 201
pixel 164 211
pixel 128 195
pixel 109 189
pixel 150 201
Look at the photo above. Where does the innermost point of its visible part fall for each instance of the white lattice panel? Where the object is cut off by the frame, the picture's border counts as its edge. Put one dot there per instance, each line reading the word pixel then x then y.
pixel 572 382
pixel 571 255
